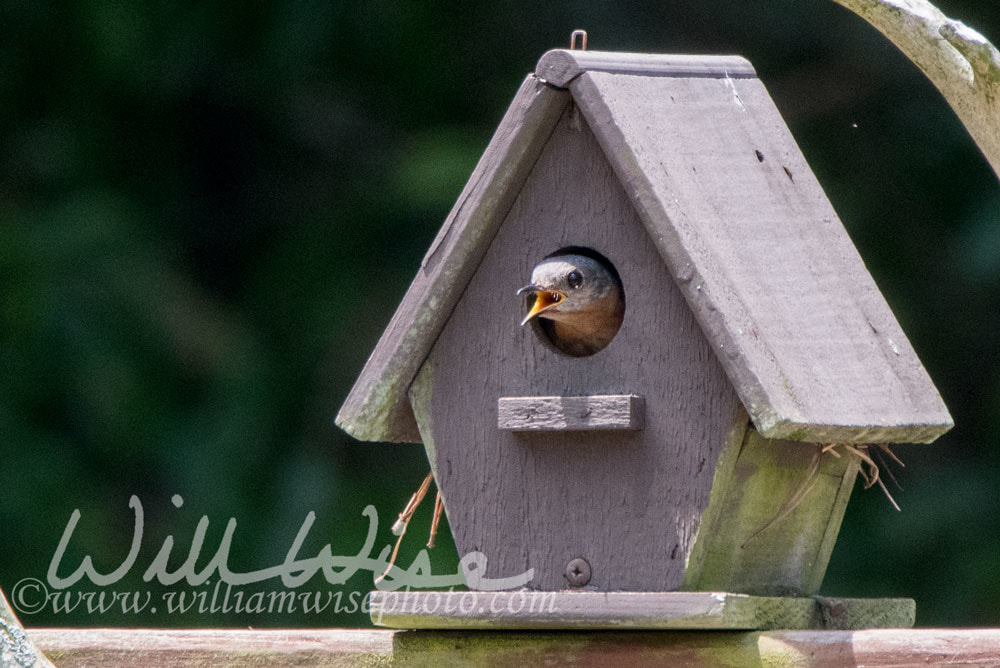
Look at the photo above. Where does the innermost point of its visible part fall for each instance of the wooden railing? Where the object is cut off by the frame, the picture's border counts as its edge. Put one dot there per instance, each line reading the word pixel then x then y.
pixel 111 648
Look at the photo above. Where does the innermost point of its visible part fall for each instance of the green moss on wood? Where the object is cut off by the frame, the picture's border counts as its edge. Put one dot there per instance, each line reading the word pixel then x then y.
pixel 746 551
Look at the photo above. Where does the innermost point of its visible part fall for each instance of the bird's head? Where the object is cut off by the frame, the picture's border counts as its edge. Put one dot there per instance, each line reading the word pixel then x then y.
pixel 571 287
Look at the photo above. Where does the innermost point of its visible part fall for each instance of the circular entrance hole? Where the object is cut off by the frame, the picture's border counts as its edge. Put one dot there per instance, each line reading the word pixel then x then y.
pixel 576 301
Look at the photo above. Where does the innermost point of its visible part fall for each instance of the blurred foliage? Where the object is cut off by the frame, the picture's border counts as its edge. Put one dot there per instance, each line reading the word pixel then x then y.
pixel 209 212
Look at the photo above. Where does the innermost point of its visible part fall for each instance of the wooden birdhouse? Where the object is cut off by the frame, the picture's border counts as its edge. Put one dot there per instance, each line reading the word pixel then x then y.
pixel 753 339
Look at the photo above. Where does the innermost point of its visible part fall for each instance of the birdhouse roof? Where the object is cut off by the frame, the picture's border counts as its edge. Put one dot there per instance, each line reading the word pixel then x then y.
pixel 802 331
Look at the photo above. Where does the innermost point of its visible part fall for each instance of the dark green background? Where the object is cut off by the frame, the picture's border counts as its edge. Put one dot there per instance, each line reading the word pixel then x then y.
pixel 210 211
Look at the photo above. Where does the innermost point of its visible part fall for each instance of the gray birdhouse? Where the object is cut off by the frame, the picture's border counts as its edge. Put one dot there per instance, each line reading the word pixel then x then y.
pixel 753 339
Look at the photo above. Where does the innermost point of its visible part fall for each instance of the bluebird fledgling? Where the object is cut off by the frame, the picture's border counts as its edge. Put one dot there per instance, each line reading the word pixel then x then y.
pixel 578 300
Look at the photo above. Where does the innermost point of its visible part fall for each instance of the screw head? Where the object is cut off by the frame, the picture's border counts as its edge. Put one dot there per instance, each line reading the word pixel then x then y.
pixel 578 572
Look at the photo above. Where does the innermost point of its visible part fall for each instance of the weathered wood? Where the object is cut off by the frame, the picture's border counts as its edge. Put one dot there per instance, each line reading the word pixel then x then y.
pixel 799 649
pixel 16 647
pixel 629 502
pixel 812 349
pixel 586 413
pixel 560 66
pixel 721 478
pixel 585 610
pixel 745 300
pixel 377 408
pixel 315 648
pixel 761 257
pixel 741 548
pixel 176 648
pixel 961 62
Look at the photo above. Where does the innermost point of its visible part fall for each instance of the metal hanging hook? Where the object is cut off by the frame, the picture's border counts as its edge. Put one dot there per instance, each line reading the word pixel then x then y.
pixel 582 34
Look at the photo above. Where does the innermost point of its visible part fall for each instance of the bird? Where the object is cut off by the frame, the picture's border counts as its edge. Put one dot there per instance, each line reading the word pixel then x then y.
pixel 578 301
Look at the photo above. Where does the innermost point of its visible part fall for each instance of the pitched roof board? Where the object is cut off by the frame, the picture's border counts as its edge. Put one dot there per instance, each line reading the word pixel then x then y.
pixel 377 407
pixel 807 340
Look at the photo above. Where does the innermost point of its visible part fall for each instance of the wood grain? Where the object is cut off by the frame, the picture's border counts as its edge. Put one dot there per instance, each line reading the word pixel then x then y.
pixel 629 502
pixel 377 408
pixel 740 546
pixel 803 333
pixel 792 313
pixel 582 610
pixel 560 66
pixel 586 413
pixel 176 648
pixel 134 648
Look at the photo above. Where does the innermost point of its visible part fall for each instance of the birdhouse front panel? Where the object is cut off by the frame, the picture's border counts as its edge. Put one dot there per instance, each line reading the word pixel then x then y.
pixel 628 501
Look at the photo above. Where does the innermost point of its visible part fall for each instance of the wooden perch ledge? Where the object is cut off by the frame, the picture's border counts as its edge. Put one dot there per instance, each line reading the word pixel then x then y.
pixel 110 648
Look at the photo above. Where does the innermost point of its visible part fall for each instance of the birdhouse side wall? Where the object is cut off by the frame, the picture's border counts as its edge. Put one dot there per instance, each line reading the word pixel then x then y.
pixel 773 520
pixel 628 502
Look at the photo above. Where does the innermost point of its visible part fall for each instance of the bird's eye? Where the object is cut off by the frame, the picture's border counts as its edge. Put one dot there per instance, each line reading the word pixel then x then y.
pixel 575 279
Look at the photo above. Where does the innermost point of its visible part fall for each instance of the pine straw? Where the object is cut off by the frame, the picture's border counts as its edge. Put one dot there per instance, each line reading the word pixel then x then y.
pixel 870 471
pixel 403 521
pixel 871 474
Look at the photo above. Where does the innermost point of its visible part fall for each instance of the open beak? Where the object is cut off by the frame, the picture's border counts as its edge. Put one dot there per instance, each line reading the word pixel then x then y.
pixel 544 300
